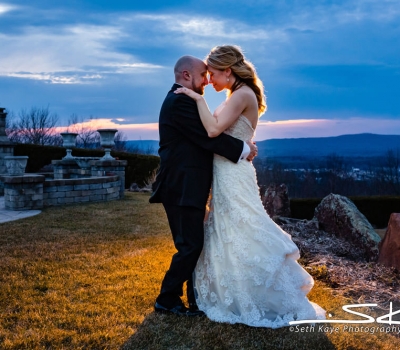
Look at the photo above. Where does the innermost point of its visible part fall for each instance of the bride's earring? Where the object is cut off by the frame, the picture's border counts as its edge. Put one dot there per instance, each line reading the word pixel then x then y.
pixel 227 79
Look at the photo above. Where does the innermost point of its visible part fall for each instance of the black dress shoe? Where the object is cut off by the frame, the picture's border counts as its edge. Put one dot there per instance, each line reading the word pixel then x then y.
pixel 194 310
pixel 179 310
pixel 176 310
pixel 193 307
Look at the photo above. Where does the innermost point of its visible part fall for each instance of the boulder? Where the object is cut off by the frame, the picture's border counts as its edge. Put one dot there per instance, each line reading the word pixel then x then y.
pixel 135 188
pixel 389 247
pixel 298 224
pixel 339 216
pixel 276 200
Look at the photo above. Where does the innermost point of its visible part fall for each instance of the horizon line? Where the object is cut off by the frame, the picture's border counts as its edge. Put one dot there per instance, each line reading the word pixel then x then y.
pixel 296 138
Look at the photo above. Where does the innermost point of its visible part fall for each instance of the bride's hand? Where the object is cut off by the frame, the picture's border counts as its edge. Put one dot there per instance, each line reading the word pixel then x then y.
pixel 194 95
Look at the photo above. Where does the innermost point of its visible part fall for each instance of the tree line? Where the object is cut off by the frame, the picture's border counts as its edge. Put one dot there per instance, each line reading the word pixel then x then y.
pixel 39 126
pixel 334 174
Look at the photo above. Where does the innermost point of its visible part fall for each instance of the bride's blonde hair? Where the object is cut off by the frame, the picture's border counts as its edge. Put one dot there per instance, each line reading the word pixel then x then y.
pixel 230 56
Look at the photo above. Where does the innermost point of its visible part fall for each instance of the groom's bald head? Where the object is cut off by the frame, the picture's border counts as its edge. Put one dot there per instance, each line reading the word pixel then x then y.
pixel 187 63
pixel 191 72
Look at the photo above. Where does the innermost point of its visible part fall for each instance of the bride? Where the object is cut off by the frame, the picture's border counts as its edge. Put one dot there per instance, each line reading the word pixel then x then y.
pixel 248 270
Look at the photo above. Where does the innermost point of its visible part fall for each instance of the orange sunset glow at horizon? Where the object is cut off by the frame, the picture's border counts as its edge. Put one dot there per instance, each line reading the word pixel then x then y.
pixel 299 128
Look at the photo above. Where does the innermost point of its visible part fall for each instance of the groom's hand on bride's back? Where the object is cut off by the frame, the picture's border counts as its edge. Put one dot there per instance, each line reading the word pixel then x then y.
pixel 253 150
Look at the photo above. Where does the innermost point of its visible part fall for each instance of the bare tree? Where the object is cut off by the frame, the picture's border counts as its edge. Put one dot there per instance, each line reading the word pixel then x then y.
pixel 133 149
pixel 36 126
pixel 137 148
pixel 87 137
pixel 120 142
pixel 336 169
pixel 149 150
pixel 388 174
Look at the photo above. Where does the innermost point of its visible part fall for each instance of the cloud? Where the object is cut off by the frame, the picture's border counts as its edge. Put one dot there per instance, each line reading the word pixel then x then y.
pixel 310 16
pixel 73 54
pixel 267 129
pixel 96 46
pixel 338 32
pixel 129 68
pixel 317 59
pixel 145 131
pixel 361 10
pixel 4 8
pixel 193 33
pixel 56 78
pixel 87 52
pixel 201 27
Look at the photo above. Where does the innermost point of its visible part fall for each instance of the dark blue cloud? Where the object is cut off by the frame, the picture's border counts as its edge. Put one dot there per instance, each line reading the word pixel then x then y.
pixel 347 90
pixel 114 59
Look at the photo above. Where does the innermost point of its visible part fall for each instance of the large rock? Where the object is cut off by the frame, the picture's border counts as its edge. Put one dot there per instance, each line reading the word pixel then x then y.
pixel 276 200
pixel 389 247
pixel 135 188
pixel 339 216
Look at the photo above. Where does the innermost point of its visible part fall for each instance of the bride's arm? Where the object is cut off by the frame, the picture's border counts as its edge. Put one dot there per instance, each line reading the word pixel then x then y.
pixel 215 126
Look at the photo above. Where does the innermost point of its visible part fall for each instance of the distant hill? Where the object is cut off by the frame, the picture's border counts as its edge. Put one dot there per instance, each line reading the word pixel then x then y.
pixel 358 145
pixel 143 146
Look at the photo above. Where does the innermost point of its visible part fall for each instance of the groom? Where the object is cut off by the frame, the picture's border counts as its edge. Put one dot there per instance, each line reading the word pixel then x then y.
pixel 184 179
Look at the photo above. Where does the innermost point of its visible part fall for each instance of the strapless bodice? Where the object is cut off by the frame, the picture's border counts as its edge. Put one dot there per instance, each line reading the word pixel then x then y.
pixel 241 129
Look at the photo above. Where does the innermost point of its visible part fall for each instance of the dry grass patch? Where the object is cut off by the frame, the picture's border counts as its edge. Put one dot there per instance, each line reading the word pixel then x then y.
pixel 81 276
pixel 86 276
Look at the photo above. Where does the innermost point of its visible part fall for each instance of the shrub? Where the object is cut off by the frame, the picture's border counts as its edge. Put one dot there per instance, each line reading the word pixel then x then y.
pixel 139 168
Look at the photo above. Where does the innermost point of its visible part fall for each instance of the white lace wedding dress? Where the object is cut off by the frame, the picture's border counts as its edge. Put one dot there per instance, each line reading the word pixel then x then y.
pixel 247 272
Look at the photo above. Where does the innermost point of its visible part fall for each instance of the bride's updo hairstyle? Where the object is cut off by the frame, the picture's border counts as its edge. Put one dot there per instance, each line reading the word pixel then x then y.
pixel 229 56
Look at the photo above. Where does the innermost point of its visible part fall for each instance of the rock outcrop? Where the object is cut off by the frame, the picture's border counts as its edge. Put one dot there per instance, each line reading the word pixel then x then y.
pixel 339 216
pixel 135 188
pixel 389 247
pixel 276 200
pixel 314 242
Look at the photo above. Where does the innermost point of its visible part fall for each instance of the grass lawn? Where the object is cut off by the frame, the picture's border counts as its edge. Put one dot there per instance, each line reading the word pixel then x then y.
pixel 86 277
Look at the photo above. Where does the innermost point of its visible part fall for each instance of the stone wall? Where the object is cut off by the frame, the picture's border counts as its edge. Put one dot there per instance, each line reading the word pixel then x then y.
pixel 32 191
pixel 67 169
pixel 23 192
pixel 68 191
pixel 6 146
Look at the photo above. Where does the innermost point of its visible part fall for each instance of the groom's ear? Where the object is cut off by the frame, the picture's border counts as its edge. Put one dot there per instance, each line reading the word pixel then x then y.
pixel 186 75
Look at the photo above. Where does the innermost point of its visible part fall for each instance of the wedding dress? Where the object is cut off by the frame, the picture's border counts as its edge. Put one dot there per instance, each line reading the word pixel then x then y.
pixel 247 272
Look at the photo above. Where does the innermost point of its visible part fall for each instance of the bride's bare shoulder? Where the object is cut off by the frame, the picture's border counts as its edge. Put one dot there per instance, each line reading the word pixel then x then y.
pixel 244 91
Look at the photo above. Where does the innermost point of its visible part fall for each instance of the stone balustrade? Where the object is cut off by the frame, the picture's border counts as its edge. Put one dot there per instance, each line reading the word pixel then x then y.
pixel 93 189
pixel 23 192
pixel 33 191
pixel 6 146
pixel 75 179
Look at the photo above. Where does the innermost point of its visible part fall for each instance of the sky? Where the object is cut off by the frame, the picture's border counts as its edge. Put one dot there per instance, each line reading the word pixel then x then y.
pixel 329 67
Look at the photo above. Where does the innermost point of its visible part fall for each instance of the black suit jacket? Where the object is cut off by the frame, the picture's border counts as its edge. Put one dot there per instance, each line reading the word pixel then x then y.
pixel 186 153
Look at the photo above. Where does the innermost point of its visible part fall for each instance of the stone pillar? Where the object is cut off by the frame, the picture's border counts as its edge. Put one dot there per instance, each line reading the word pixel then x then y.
pixel 23 192
pixel 65 169
pixel 6 146
pixel 111 167
pixel 3 115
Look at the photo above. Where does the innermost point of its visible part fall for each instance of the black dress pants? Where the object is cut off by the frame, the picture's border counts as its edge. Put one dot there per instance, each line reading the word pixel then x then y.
pixel 186 224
